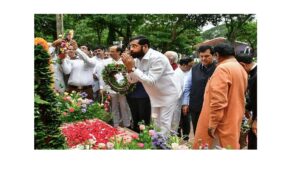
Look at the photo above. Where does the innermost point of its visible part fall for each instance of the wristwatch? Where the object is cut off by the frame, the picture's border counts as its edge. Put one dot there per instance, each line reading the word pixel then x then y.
pixel 132 70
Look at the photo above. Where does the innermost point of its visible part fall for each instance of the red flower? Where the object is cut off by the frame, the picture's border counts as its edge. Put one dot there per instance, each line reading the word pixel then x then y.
pixel 71 109
pixel 61 56
pixel 135 136
pixel 81 132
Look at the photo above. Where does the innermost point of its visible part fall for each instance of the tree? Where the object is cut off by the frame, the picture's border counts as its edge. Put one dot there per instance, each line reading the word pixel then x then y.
pixel 234 24
pixel 45 26
pixel 59 25
pixel 249 35
pixel 217 31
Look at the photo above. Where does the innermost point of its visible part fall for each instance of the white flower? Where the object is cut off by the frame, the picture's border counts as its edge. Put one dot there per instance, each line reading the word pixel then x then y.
pixel 92 141
pixel 183 147
pixel 174 146
pixel 79 147
pixel 142 127
pixel 87 147
pixel 101 145
pixel 110 145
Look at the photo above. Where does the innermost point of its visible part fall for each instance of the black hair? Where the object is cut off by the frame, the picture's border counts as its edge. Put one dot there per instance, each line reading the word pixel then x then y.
pixel 119 49
pixel 224 50
pixel 205 47
pixel 185 61
pixel 244 58
pixel 142 40
pixel 100 47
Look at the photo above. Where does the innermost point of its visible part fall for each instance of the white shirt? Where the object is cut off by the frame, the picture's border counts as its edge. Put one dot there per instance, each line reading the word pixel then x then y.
pixel 157 76
pixel 181 77
pixel 98 61
pixel 80 70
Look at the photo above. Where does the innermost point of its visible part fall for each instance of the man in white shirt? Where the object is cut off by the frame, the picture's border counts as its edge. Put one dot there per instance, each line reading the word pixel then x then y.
pixel 99 59
pixel 118 101
pixel 80 69
pixel 154 71
pixel 179 119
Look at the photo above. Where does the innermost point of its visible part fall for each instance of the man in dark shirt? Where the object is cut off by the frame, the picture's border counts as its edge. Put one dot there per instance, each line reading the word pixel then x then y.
pixel 251 106
pixel 194 87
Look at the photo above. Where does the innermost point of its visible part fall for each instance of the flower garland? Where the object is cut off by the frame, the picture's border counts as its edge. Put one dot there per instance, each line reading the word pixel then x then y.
pixel 42 42
pixel 109 76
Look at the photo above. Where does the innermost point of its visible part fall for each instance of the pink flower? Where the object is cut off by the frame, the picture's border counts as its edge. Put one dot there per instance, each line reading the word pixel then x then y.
pixel 135 136
pixel 71 109
pixel 141 145
pixel 68 98
pixel 127 139
pixel 151 132
pixel 142 127
pixel 65 113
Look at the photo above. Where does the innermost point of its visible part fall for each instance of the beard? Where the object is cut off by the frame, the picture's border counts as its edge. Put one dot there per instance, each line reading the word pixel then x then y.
pixel 138 54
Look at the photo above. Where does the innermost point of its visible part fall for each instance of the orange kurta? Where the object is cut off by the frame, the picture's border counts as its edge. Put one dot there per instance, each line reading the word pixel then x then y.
pixel 223 106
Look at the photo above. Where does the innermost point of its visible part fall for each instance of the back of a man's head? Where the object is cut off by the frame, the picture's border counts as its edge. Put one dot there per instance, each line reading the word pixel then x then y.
pixel 172 56
pixel 185 61
pixel 244 58
pixel 224 50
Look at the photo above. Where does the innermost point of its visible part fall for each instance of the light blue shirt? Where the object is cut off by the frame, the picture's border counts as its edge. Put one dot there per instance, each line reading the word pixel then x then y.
pixel 187 89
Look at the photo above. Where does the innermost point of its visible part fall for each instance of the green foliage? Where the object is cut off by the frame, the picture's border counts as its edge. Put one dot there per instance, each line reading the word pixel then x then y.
pixel 217 31
pixel 249 34
pixel 45 26
pixel 177 32
pixel 46 117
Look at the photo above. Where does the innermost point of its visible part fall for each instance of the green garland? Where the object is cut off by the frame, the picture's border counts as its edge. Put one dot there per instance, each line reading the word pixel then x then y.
pixel 109 78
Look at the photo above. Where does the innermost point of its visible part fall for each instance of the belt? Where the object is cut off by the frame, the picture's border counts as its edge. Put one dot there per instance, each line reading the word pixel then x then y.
pixel 81 87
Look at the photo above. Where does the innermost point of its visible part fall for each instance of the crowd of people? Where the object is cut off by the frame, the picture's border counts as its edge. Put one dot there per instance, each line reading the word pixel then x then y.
pixel 214 95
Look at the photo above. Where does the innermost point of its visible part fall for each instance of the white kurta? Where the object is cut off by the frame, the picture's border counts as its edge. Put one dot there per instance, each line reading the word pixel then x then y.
pixel 157 76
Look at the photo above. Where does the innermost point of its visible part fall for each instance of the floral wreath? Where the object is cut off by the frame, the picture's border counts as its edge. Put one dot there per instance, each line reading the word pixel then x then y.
pixel 109 76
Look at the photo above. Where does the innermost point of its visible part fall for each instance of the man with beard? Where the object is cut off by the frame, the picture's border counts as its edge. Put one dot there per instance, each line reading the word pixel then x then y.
pixel 154 71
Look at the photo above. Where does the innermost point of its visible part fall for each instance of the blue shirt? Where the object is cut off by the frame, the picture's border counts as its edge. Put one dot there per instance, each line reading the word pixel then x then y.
pixel 186 89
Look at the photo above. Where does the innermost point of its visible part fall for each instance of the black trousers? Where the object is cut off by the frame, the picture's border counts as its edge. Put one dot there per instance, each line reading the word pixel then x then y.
pixel 252 140
pixel 184 125
pixel 140 111
pixel 195 117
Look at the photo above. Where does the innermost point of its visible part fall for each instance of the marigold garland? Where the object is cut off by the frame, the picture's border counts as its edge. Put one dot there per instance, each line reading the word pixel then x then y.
pixel 42 42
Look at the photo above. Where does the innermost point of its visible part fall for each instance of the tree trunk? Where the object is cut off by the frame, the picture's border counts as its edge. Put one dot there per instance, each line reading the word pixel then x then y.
pixel 59 25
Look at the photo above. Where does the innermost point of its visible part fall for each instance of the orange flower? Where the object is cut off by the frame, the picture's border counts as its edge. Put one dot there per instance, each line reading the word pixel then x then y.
pixel 42 42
